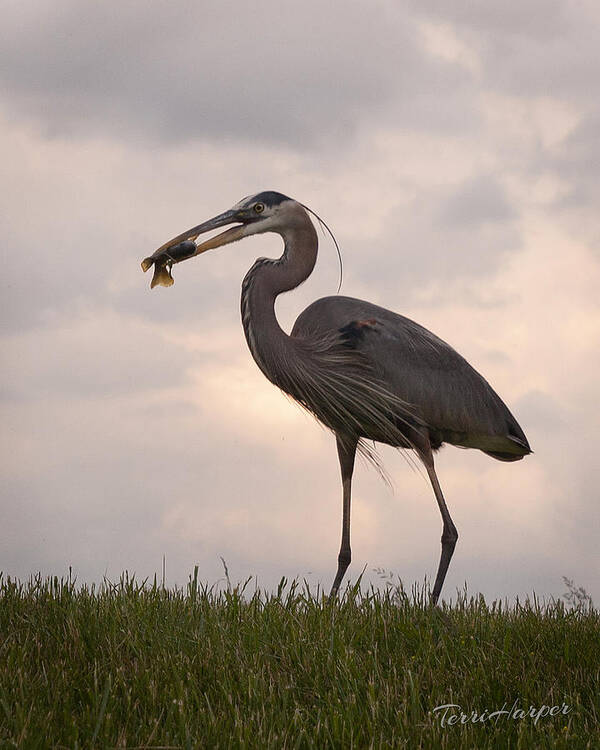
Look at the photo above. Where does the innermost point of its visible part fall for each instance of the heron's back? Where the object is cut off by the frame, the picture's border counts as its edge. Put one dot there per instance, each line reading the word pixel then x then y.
pixel 451 397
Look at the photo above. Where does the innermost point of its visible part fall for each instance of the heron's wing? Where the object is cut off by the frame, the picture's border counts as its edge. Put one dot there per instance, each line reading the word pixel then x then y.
pixel 454 400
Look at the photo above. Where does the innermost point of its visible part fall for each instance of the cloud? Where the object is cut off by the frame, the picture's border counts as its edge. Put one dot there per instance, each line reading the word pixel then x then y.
pixel 480 200
pixel 72 357
pixel 536 48
pixel 453 237
pixel 536 18
pixel 268 73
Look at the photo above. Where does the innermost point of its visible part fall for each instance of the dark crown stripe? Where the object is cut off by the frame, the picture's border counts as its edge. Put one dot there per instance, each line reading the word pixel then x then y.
pixel 271 198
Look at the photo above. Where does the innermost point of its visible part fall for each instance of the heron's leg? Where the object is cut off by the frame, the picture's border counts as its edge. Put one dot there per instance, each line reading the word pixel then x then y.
pixel 346 454
pixel 449 533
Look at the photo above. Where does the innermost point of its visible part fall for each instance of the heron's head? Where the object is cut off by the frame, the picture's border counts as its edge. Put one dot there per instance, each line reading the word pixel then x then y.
pixel 264 212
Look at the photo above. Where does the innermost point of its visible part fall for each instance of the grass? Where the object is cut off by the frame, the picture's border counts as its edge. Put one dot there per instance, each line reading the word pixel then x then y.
pixel 138 665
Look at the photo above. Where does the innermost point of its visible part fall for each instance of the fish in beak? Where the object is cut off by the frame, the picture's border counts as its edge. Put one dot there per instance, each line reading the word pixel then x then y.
pixel 163 260
pixel 184 245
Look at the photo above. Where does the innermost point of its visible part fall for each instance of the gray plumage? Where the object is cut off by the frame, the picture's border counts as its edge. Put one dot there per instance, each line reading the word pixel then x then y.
pixel 365 372
pixel 440 388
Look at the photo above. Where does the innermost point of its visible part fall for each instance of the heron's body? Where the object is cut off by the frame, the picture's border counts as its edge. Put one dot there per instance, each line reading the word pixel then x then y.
pixel 367 373
pixel 452 399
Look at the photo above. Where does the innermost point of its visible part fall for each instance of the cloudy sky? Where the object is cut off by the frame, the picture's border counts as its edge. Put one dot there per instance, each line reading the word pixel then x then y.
pixel 454 149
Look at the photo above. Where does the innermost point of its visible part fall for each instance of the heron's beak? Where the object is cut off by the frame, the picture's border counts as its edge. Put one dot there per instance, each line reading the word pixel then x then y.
pixel 184 246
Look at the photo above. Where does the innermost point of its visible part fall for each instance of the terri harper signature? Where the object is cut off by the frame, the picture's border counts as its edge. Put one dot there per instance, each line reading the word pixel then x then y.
pixel 453 713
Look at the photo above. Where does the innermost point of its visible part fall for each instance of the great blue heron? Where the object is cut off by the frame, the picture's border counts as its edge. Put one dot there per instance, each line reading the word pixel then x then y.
pixel 363 371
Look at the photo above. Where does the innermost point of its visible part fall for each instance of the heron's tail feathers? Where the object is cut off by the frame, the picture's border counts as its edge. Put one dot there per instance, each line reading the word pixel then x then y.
pixel 514 449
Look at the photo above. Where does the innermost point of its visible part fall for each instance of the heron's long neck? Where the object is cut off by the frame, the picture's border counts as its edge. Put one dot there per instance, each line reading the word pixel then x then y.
pixel 269 344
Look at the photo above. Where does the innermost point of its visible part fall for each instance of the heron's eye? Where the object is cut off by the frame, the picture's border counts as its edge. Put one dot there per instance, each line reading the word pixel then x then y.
pixel 259 208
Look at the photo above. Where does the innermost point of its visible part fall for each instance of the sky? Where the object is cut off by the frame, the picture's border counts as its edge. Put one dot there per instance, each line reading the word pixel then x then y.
pixel 453 148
